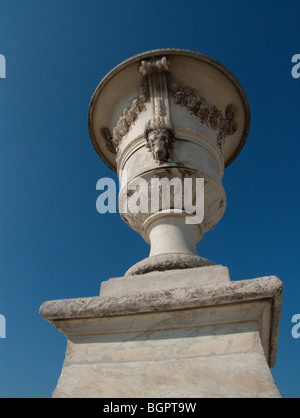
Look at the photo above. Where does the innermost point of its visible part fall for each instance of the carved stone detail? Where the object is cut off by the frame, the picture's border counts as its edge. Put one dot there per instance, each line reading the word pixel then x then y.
pixel 156 86
pixel 206 113
pixel 105 132
pixel 158 131
pixel 125 121
pixel 159 142
pixel 155 71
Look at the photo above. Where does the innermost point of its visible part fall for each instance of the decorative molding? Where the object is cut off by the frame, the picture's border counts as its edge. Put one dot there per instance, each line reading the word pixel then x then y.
pixel 155 71
pixel 206 113
pixel 156 86
pixel 158 130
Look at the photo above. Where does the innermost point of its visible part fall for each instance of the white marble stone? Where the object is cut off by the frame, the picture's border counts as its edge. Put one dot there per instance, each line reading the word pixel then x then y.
pixel 169 114
pixel 216 340
pixel 174 326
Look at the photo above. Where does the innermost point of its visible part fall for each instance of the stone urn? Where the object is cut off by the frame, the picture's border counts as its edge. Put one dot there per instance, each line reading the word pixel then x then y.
pixel 169 122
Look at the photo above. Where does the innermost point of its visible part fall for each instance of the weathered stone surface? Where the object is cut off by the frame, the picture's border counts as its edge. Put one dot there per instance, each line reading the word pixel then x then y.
pixel 169 115
pixel 165 280
pixel 205 341
pixel 160 119
pixel 242 375
pixel 167 262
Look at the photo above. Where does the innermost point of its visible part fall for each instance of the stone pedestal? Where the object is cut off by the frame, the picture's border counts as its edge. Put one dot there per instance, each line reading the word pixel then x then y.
pixel 173 334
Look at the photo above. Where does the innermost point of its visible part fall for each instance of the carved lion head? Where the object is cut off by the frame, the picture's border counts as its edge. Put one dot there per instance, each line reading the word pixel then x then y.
pixel 159 142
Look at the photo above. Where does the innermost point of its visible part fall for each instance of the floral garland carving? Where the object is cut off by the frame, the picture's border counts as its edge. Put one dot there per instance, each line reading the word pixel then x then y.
pixel 184 96
pixel 207 114
pixel 125 121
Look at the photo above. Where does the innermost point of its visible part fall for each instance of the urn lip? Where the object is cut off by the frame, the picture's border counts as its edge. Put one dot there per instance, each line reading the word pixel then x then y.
pixel 99 143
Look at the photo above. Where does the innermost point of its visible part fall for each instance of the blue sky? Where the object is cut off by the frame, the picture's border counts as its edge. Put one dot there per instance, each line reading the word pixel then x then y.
pixel 53 242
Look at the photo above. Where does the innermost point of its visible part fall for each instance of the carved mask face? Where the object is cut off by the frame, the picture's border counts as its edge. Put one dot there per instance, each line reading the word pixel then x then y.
pixel 159 142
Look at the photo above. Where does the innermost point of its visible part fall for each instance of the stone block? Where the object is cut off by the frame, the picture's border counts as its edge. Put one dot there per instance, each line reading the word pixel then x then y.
pixel 164 280
pixel 204 341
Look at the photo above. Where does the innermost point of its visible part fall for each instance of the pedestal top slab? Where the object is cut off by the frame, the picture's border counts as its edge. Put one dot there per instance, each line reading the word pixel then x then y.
pixel 165 280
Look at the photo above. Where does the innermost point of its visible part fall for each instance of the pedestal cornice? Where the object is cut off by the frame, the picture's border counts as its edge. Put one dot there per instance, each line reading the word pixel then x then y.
pixel 62 313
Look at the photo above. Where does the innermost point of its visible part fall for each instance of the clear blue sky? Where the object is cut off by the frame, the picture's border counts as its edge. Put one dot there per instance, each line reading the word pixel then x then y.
pixel 53 242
